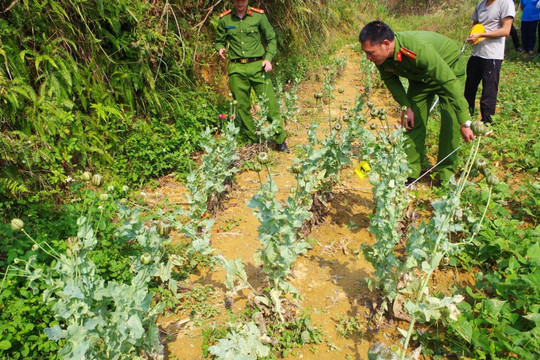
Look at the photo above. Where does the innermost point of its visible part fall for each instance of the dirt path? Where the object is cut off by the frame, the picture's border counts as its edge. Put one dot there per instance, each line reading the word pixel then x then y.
pixel 330 277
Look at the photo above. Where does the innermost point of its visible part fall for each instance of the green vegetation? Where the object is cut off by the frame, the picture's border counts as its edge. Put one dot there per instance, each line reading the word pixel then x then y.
pixel 131 89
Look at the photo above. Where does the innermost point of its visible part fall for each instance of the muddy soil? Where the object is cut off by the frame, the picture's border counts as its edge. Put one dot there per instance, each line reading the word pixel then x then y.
pixel 331 276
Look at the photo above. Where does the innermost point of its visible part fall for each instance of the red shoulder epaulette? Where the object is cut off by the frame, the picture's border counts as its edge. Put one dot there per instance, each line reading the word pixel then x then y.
pixel 226 12
pixel 260 11
pixel 408 53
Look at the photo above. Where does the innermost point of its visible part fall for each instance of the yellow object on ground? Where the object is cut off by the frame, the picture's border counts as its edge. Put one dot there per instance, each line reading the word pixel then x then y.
pixel 362 168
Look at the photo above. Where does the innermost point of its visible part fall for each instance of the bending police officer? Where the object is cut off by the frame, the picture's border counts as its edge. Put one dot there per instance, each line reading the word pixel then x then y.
pixel 433 65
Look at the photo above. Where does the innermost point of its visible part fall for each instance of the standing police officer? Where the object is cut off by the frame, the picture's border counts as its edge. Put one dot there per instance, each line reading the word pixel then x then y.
pixel 241 31
pixel 433 65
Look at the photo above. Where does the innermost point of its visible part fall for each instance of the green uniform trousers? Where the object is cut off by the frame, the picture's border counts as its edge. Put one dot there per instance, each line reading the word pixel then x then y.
pixel 244 77
pixel 421 96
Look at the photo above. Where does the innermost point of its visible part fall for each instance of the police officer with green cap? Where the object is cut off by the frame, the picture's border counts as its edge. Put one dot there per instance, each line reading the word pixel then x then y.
pixel 433 65
pixel 241 31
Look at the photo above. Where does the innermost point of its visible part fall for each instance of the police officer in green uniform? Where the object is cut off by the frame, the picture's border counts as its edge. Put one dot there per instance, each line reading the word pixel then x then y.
pixel 240 31
pixel 433 65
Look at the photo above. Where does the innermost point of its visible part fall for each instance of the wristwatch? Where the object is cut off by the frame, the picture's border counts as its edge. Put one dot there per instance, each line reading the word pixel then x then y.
pixel 467 123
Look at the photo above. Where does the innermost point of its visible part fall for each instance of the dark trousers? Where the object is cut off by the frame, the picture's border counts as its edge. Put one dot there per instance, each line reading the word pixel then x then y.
pixel 487 71
pixel 515 37
pixel 528 34
pixel 538 48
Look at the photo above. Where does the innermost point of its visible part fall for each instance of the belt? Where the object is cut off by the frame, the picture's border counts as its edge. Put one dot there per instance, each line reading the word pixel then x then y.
pixel 246 60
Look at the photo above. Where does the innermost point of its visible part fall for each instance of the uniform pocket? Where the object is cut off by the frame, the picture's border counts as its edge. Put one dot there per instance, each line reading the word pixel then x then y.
pixel 252 32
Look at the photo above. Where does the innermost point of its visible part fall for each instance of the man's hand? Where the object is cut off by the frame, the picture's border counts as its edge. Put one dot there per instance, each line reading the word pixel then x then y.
pixel 407 119
pixel 221 53
pixel 473 38
pixel 466 133
pixel 267 66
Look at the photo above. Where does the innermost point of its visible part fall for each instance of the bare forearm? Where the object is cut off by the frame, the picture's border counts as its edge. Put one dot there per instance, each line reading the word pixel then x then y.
pixel 501 32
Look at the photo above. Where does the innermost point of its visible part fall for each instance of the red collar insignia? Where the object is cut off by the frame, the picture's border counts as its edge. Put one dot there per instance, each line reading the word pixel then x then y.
pixel 398 56
pixel 408 53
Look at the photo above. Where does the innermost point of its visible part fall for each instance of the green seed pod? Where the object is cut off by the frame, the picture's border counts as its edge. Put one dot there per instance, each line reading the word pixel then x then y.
pixel 257 167
pixel 72 241
pixel 146 258
pixel 388 148
pixel 163 228
pixel 479 128
pixel 374 351
pixel 296 168
pixel 370 104
pixel 474 173
pixel 382 116
pixel 97 180
pixel 35 247
pixel 104 197
pixel 123 201
pixel 373 126
pixel 318 95
pixel 72 244
pixel 382 111
pixel 374 113
pixel 17 224
pixel 381 352
pixel 480 163
pixel 492 180
pixel 263 158
pixel 86 176
pixel 340 90
pixel 337 127
pixel 125 188
pixel 404 108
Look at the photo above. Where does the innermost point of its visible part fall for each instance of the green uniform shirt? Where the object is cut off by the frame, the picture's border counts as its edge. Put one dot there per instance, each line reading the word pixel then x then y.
pixel 430 58
pixel 244 35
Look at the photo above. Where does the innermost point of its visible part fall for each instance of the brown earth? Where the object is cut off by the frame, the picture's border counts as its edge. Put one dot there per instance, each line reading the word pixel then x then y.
pixel 331 276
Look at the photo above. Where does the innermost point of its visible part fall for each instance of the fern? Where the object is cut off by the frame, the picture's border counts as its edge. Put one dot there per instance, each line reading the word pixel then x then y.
pixel 12 187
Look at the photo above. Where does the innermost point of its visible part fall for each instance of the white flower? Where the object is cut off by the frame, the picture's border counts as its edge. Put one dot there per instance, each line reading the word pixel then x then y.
pixel 143 193
pixel 68 179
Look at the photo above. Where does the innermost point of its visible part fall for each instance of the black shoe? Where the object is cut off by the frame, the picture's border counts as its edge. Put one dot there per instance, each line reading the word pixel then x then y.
pixel 283 147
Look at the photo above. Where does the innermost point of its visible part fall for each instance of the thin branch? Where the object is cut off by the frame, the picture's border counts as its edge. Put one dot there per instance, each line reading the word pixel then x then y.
pixel 180 37
pixel 200 25
pixel 10 6
pixel 210 10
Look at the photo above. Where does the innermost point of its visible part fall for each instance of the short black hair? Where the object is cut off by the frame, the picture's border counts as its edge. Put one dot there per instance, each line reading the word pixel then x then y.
pixel 376 32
